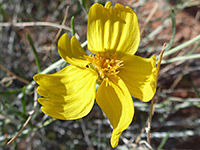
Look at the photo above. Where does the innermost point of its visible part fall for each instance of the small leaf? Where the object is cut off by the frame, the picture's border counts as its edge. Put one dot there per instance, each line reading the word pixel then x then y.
pixel 34 52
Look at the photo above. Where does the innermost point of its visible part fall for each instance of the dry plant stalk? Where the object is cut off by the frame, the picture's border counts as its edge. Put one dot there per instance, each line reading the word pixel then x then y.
pixel 149 17
pixel 152 102
pixel 29 24
pixel 149 120
pixel 28 119
pixel 62 25
pixel 12 74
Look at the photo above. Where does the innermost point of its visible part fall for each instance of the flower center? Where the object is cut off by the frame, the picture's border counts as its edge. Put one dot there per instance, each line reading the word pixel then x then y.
pixel 106 64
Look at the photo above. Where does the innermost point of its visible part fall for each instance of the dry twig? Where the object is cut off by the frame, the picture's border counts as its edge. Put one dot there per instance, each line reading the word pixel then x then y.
pixel 30 24
pixel 149 17
pixel 152 102
pixel 12 74
pixel 62 25
pixel 86 137
pixel 149 120
pixel 28 119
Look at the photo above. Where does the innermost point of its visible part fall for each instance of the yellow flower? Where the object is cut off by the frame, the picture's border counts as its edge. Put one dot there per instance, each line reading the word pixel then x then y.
pixel 113 36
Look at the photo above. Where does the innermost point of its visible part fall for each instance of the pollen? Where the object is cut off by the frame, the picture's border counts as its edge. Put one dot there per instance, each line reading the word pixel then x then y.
pixel 106 64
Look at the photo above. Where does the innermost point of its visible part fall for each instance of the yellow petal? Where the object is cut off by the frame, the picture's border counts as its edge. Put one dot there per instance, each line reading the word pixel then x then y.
pixel 71 51
pixel 140 76
pixel 68 94
pixel 113 29
pixel 116 102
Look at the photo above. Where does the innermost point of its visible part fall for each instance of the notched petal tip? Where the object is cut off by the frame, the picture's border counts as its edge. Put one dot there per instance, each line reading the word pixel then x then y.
pixel 108 5
pixel 71 50
pixel 63 45
pixel 42 92
pixel 68 94
pixel 114 29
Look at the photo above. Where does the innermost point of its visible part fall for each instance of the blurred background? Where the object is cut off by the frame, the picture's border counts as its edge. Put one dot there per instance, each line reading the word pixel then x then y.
pixel 29 31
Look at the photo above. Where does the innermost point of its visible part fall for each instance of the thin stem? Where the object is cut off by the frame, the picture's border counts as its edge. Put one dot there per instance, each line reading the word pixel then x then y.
pixel 173 30
pixel 181 58
pixel 27 121
pixel 12 74
pixel 72 26
pixel 149 122
pixel 62 26
pixel 12 91
pixel 149 17
pixel 194 49
pixel 30 24
pixel 180 47
pixel 152 102
pixel 34 52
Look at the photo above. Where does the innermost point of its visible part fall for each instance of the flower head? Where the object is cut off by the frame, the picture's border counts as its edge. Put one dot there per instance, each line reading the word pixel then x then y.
pixel 113 36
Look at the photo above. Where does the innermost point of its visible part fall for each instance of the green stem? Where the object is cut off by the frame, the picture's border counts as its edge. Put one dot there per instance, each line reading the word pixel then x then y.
pixel 173 30
pixel 34 52
pixel 180 47
pixel 163 142
pixel 72 26
pixel 23 101
pixel 12 92
pixel 194 49
pixel 195 90
pixel 181 58
pixel 3 13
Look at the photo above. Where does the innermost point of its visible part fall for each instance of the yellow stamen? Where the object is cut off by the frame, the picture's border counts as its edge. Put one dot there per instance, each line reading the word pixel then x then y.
pixel 106 64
